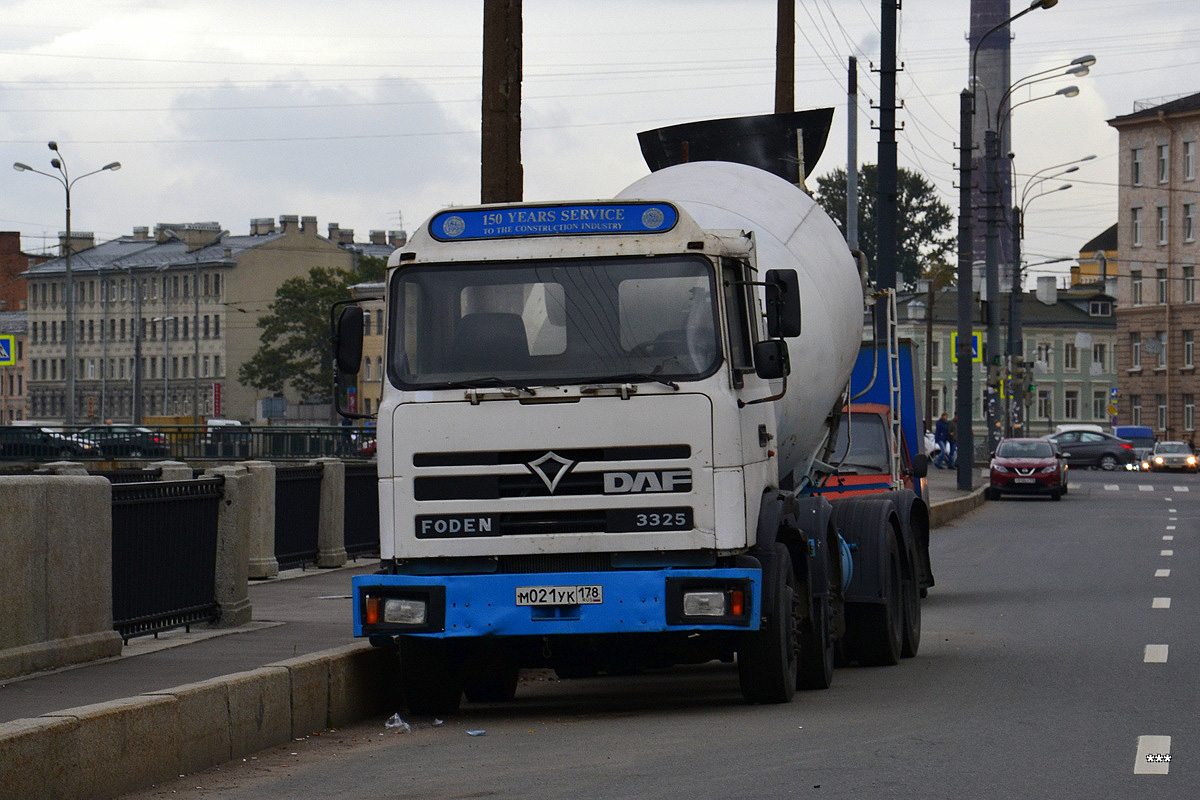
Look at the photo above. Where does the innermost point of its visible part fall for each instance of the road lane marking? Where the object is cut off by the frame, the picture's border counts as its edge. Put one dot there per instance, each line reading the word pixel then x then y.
pixel 1161 602
pixel 1162 573
pixel 1181 488
pixel 1168 538
pixel 1156 654
pixel 1166 552
pixel 1170 527
pixel 1145 487
pixel 1112 487
pixel 1170 510
pixel 1153 755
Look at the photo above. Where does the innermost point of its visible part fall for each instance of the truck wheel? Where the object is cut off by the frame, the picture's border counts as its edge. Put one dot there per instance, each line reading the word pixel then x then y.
pixel 431 676
pixel 768 661
pixel 817 647
pixel 912 617
pixel 874 631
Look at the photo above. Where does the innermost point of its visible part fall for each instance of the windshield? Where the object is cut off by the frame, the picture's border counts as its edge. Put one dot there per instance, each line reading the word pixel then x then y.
pixel 1025 450
pixel 1173 447
pixel 861 442
pixel 550 322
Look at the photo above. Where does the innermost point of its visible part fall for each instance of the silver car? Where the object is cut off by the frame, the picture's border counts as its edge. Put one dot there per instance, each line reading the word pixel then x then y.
pixel 1172 456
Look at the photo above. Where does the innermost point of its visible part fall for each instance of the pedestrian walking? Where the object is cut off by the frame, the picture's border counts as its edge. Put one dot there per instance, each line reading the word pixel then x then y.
pixel 941 432
pixel 952 441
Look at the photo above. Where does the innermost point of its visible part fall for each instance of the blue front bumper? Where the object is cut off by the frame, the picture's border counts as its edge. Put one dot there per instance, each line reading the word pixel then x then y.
pixel 634 601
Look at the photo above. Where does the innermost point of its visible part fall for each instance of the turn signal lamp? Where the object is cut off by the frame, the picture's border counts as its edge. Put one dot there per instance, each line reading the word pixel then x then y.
pixel 372 610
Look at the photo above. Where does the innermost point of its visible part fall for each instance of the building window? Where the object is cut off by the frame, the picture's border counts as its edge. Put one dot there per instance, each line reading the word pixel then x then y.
pixel 1189 222
pixel 1164 163
pixel 1161 347
pixel 216 327
pixel 1162 215
pixel 1099 404
pixel 1161 399
pixel 1100 308
pixel 1189 284
pixel 367 368
pixel 1135 350
pixel 1135 231
pixel 1135 163
pixel 1099 358
pixel 1189 349
pixel 1044 407
pixel 1189 160
pixel 1135 281
pixel 1189 412
pixel 1070 357
pixel 1071 404
pixel 1161 278
pixel 1043 354
pixel 1135 409
pixel 935 353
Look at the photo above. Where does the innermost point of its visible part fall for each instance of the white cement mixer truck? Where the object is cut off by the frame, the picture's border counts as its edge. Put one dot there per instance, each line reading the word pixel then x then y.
pixel 605 439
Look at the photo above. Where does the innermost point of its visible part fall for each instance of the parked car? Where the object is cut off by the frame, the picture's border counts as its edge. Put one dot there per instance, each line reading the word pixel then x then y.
pixel 22 441
pixel 129 441
pixel 1094 449
pixel 1029 467
pixel 1168 456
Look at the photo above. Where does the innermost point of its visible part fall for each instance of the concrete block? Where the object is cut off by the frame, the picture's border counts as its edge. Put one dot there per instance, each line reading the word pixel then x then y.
pixel 232 583
pixel 119 746
pixel 331 527
pixel 33 756
pixel 260 710
pixel 364 681
pixel 259 519
pixel 173 470
pixel 204 723
pixel 310 692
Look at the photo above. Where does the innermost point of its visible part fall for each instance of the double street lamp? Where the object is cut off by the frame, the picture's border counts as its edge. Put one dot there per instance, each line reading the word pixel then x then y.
pixel 62 176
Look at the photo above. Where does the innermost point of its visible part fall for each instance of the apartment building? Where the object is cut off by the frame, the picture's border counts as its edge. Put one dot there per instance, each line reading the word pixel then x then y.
pixel 164 319
pixel 1158 314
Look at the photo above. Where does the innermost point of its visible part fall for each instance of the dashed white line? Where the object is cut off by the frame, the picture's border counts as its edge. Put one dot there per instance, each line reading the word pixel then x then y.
pixel 1153 755
pixel 1170 527
pixel 1162 573
pixel 1170 510
pixel 1180 488
pixel 1166 552
pixel 1161 602
pixel 1156 654
pixel 1111 487
pixel 1145 487
pixel 1168 538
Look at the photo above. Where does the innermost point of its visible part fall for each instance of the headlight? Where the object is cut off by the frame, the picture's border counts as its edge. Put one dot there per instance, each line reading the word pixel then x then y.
pixel 1158 460
pixel 999 468
pixel 1191 460
pixel 1049 469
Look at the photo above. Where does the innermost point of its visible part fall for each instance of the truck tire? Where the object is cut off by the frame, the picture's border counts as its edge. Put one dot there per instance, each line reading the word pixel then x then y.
pixel 430 675
pixel 874 631
pixel 817 647
pixel 768 660
pixel 911 642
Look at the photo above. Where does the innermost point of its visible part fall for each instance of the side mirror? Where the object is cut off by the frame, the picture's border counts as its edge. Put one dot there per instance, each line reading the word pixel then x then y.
pixel 348 340
pixel 783 303
pixel 920 465
pixel 771 359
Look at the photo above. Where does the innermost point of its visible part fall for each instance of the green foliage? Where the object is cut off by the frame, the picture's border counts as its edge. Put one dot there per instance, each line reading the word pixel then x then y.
pixel 295 349
pixel 371 269
pixel 923 221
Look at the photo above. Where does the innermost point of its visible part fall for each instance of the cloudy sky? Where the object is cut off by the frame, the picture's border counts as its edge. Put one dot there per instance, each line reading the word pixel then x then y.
pixel 366 113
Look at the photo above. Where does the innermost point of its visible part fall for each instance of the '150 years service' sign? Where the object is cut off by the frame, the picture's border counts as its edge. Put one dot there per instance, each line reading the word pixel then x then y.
pixel 559 220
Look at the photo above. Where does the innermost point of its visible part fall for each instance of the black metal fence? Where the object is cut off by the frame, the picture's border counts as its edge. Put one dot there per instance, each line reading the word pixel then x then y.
pixel 361 528
pixel 297 514
pixel 164 555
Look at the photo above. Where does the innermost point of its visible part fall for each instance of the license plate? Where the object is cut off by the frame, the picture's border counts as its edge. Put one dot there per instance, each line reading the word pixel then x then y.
pixel 1024 480
pixel 560 595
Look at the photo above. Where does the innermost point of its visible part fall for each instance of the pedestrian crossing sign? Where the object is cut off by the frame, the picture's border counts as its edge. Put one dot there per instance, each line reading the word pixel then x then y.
pixel 976 347
pixel 8 351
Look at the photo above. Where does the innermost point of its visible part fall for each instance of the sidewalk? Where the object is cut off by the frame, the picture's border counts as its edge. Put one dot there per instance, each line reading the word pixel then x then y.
pixel 297 614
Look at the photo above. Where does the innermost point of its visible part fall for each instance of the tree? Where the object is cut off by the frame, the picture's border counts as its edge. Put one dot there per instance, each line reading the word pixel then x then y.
pixel 923 221
pixel 295 347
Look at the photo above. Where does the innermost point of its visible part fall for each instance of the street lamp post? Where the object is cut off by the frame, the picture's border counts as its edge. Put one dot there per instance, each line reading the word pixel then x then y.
pixel 964 403
pixel 60 164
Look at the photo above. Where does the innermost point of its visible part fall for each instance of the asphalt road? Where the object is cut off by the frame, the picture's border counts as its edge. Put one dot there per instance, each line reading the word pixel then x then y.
pixel 1058 636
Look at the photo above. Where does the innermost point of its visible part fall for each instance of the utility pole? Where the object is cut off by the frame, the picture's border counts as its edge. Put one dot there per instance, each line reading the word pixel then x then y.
pixel 785 57
pixel 501 173
pixel 852 154
pixel 885 276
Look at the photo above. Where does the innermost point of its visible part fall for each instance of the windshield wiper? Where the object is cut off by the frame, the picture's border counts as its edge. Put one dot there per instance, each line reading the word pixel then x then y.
pixel 634 377
pixel 479 383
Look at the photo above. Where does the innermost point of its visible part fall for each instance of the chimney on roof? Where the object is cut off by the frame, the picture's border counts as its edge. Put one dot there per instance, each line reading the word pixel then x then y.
pixel 80 241
pixel 289 223
pixel 1047 290
pixel 308 225
pixel 378 237
pixel 261 226
pixel 333 231
pixel 397 238
pixel 345 236
pixel 141 233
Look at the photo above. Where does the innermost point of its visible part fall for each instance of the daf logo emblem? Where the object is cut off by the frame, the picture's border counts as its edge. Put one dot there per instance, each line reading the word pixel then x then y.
pixel 551 468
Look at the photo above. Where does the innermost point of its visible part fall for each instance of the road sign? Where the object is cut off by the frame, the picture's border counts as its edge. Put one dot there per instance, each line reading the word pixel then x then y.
pixel 8 351
pixel 1112 409
pixel 976 347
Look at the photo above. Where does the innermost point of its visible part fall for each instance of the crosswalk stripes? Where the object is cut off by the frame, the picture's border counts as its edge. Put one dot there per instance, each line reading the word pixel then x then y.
pixel 1142 487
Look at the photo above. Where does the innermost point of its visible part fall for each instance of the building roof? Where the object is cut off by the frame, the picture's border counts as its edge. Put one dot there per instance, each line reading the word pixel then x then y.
pixel 1179 106
pixel 1070 310
pixel 131 252
pixel 14 322
pixel 1105 241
